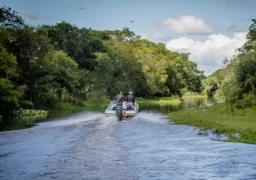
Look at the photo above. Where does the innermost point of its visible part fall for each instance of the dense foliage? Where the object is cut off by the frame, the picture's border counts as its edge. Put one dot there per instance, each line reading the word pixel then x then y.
pixel 51 64
pixel 236 83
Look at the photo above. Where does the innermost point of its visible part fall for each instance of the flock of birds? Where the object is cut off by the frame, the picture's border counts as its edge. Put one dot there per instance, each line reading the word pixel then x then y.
pixel 130 21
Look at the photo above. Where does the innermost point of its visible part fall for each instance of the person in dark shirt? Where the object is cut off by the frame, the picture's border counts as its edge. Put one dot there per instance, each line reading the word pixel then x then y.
pixel 120 98
pixel 130 98
pixel 130 101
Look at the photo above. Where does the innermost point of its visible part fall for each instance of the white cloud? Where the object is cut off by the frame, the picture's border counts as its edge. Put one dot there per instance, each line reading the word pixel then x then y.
pixel 155 36
pixel 188 25
pixel 209 54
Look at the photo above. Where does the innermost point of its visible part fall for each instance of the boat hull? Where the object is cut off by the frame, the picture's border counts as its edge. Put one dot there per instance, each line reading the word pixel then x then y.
pixel 111 111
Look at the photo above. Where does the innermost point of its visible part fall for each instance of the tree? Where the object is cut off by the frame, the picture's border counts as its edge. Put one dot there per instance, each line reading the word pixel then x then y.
pixel 60 73
pixel 9 94
pixel 173 82
pixel 245 73
pixel 9 19
pixel 251 38
pixel 119 70
pixel 30 47
pixel 79 44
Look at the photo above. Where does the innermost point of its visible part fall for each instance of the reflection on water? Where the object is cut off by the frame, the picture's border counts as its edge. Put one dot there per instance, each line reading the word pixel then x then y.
pixel 91 146
pixel 21 122
pixel 29 121
pixel 187 103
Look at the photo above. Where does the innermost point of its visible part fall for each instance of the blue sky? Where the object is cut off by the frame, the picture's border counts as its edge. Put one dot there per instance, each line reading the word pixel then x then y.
pixel 226 16
pixel 116 14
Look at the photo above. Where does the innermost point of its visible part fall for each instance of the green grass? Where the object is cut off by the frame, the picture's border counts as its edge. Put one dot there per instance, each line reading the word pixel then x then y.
pixel 194 95
pixel 191 94
pixel 159 101
pixel 221 120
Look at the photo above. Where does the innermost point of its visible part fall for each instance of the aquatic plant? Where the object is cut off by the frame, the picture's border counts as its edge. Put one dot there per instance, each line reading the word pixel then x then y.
pixel 29 112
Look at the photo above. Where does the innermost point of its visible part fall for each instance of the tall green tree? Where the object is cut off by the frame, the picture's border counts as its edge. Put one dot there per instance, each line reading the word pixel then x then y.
pixel 251 38
pixel 79 44
pixel 245 72
pixel 9 19
pixel 59 75
pixel 9 92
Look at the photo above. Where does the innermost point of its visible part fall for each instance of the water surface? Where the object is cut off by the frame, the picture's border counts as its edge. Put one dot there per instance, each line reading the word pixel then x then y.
pixel 88 145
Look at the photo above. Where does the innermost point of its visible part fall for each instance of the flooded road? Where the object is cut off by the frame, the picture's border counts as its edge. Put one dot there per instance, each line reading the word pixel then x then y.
pixel 94 147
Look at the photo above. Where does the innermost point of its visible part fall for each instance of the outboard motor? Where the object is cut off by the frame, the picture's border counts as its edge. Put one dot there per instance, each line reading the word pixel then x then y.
pixel 119 112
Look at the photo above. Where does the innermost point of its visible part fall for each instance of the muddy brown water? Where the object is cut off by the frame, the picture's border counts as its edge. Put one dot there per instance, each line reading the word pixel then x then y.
pixel 89 145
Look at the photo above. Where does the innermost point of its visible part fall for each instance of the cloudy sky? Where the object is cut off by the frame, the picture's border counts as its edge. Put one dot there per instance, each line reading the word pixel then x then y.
pixel 210 30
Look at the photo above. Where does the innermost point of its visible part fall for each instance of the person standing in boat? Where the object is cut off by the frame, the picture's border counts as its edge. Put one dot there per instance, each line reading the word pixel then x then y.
pixel 119 105
pixel 130 100
pixel 130 97
pixel 120 98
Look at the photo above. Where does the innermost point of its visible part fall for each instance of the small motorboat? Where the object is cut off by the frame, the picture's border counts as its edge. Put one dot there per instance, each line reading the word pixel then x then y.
pixel 128 110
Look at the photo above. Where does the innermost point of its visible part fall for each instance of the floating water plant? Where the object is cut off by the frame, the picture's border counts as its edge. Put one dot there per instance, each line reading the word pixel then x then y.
pixel 29 112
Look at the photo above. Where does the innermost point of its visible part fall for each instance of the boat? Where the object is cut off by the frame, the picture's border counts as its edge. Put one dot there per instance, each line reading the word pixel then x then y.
pixel 129 110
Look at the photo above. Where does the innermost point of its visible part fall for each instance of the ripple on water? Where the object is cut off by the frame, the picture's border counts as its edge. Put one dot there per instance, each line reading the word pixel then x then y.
pixel 178 152
pixel 148 146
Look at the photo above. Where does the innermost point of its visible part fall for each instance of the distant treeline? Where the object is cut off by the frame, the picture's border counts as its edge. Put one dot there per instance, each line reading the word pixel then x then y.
pixel 61 63
pixel 64 63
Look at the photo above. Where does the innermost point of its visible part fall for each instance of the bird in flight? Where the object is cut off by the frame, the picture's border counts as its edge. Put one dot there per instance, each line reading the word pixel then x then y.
pixel 82 8
pixel 132 21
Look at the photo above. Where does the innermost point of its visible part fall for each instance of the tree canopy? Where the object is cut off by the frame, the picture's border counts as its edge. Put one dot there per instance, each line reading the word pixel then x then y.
pixel 49 64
